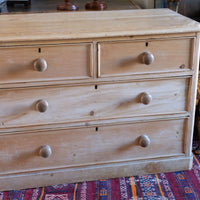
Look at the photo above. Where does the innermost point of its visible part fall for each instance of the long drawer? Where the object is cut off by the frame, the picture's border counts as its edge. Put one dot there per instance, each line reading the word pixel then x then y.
pixel 138 57
pixel 76 147
pixel 42 63
pixel 51 105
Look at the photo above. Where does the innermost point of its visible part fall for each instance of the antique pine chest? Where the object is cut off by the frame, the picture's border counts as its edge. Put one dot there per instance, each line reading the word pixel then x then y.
pixel 95 95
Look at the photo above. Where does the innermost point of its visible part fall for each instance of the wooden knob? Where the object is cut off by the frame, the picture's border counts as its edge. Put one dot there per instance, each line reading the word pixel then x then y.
pixel 147 58
pixel 41 105
pixel 144 141
pixel 45 151
pixel 145 98
pixel 40 65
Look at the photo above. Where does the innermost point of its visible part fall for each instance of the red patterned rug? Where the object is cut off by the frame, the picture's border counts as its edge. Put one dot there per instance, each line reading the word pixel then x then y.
pixel 165 186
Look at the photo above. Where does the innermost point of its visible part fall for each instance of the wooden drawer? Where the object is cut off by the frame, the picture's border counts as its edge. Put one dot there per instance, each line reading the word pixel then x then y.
pixel 127 58
pixel 19 107
pixel 20 152
pixel 71 61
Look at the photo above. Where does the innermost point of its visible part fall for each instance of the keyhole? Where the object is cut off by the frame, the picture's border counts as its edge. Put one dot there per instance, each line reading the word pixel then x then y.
pixel 39 50
pixel 147 44
pixel 97 128
pixel 96 87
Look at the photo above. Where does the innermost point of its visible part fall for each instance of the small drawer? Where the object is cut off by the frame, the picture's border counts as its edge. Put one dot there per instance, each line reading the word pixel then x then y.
pixel 65 104
pixel 88 146
pixel 128 58
pixel 43 63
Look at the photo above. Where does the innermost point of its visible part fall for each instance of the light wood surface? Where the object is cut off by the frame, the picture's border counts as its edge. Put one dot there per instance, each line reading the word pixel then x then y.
pixel 59 26
pixel 63 62
pixel 123 58
pixel 192 97
pixel 89 146
pixel 98 172
pixel 95 95
pixel 19 107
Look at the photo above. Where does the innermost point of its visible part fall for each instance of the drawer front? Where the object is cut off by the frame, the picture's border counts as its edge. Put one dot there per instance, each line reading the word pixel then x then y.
pixel 23 107
pixel 127 58
pixel 85 146
pixel 18 64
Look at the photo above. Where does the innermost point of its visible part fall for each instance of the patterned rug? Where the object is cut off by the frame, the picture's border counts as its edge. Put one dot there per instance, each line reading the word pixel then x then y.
pixel 164 186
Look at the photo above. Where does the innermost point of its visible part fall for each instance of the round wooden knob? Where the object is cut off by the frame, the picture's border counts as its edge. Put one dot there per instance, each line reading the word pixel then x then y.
pixel 144 141
pixel 41 105
pixel 45 151
pixel 145 98
pixel 40 65
pixel 147 58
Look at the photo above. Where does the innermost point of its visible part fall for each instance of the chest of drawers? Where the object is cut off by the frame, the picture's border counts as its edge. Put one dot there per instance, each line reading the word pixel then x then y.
pixel 95 95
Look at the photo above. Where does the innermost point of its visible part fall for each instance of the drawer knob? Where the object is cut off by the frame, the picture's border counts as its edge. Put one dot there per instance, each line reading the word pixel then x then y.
pixel 145 98
pixel 40 65
pixel 144 141
pixel 41 105
pixel 45 151
pixel 147 58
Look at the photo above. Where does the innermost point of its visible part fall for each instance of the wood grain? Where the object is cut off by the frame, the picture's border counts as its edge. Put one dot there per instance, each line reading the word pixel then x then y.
pixel 60 26
pixel 86 103
pixel 70 61
pixel 90 146
pixel 124 58
pixel 80 174
pixel 192 98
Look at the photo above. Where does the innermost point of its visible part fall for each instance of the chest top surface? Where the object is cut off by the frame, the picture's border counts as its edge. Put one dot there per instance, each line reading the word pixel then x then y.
pixel 81 25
